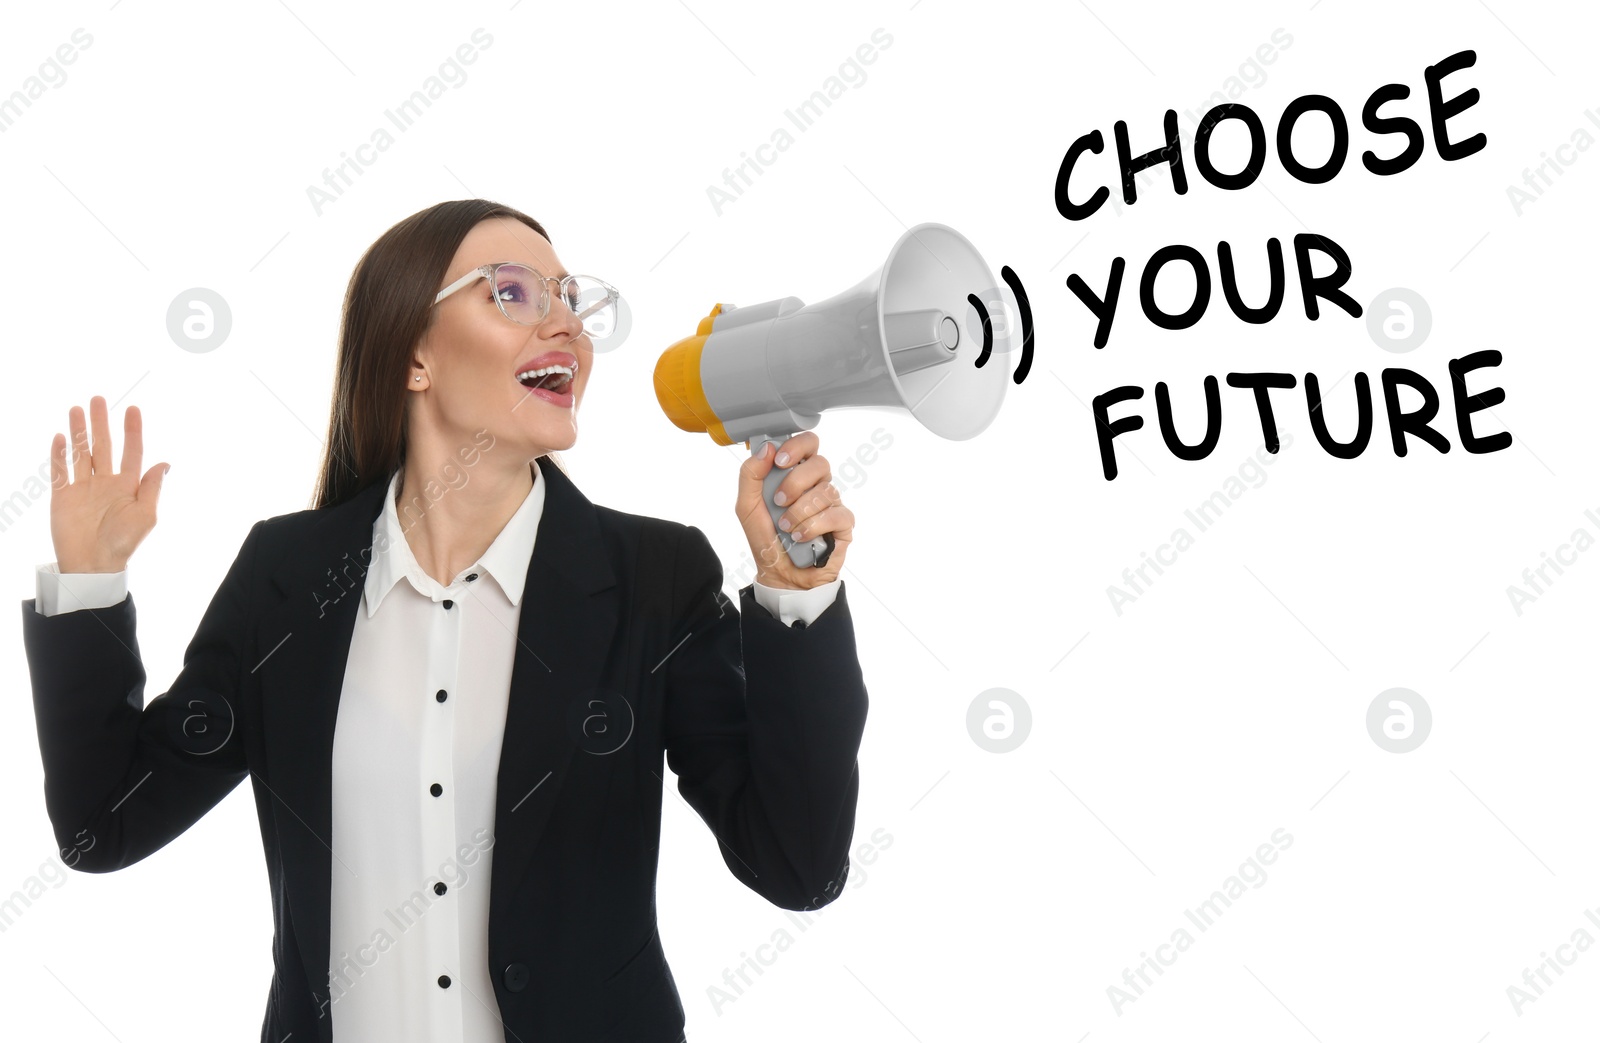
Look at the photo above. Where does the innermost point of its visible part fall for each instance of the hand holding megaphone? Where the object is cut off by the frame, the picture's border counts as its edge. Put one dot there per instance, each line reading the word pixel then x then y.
pixel 807 502
pixel 907 337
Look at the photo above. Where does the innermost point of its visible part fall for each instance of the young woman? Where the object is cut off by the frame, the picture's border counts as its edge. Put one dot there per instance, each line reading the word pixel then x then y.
pixel 452 682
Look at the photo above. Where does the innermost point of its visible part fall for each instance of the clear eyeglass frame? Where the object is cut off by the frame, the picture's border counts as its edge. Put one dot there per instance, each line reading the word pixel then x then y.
pixel 490 271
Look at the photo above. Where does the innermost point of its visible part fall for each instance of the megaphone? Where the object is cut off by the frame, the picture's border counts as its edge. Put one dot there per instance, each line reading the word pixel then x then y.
pixel 906 337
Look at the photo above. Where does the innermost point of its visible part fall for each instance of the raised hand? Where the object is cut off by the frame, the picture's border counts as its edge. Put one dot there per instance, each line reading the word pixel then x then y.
pixel 98 519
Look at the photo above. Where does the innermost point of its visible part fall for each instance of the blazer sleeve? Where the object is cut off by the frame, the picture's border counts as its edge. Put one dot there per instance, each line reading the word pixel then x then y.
pixel 763 724
pixel 122 779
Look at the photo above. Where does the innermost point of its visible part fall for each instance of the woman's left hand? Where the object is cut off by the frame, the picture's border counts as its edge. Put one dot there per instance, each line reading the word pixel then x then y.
pixel 811 506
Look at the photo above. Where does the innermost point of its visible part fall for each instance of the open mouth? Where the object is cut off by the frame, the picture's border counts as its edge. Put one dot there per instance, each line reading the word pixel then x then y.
pixel 556 379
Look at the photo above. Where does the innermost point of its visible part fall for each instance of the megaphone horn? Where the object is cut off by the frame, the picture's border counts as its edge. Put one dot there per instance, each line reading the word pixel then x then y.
pixel 760 373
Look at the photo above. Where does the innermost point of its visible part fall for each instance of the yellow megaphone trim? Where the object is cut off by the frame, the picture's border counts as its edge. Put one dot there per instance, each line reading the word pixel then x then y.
pixel 678 387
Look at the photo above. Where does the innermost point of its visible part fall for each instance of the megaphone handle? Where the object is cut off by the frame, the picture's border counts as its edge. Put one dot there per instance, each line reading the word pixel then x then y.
pixel 810 554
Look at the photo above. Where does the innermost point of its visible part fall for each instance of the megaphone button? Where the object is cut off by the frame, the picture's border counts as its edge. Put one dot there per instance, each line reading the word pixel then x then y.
pixel 949 333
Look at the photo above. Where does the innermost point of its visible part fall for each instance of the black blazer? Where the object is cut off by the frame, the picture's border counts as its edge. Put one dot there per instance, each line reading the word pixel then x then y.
pixel 626 648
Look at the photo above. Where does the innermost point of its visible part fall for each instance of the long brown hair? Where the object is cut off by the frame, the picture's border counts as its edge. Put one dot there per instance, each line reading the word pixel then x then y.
pixel 387 309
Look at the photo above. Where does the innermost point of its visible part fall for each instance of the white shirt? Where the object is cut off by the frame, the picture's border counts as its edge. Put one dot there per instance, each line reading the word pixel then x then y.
pixel 409 898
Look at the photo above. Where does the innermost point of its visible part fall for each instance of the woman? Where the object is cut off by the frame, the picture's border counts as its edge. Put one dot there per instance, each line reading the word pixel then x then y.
pixel 452 682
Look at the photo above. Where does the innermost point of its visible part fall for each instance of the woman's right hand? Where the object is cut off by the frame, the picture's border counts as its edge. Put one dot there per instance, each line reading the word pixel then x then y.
pixel 99 519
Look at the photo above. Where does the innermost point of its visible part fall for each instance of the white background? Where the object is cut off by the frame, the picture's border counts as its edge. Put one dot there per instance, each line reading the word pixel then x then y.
pixel 1167 742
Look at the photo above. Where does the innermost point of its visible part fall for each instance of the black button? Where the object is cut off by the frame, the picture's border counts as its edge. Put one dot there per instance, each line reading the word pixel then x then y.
pixel 515 977
pixel 436 789
pixel 441 695
pixel 439 889
pixel 448 603
pixel 472 577
pixel 444 981
pixel 798 624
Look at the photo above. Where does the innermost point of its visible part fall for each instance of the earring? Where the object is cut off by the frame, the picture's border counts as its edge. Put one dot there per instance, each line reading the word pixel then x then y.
pixel 417 378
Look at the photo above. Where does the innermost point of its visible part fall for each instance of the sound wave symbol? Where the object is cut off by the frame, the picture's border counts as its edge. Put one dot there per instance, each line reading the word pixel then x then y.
pixel 1026 311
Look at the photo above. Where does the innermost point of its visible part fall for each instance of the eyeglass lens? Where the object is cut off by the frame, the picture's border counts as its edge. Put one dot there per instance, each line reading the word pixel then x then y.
pixel 520 291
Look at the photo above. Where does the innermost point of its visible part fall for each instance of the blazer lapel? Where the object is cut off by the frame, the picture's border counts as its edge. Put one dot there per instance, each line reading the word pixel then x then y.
pixel 568 614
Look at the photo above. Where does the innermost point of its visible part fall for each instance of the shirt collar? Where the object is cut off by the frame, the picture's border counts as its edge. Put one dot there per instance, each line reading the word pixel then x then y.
pixel 507 558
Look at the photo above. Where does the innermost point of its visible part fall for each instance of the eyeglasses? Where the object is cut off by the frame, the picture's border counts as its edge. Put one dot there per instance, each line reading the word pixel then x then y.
pixel 523 295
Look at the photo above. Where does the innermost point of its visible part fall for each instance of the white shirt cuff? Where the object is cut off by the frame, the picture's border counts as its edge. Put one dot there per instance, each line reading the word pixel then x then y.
pixel 59 592
pixel 787 606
